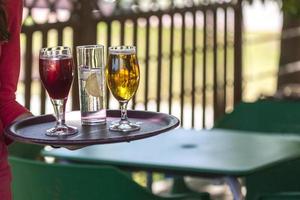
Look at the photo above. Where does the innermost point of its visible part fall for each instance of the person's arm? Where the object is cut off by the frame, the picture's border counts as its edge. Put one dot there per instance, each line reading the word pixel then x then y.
pixel 10 110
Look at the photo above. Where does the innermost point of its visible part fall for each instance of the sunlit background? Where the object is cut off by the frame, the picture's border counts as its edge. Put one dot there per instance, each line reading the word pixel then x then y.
pixel 261 40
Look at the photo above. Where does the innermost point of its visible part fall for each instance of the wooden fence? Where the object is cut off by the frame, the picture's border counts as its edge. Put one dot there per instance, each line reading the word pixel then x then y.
pixel 190 53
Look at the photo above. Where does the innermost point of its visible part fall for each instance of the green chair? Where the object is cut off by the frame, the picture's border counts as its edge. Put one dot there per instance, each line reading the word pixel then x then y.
pixel 23 150
pixel 281 196
pixel 269 115
pixel 36 180
pixel 283 177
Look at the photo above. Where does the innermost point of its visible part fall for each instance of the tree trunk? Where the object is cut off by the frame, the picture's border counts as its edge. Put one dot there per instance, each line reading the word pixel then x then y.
pixel 289 62
pixel 290 40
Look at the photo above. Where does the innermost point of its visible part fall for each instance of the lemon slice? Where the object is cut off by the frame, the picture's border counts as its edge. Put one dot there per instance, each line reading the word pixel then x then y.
pixel 92 86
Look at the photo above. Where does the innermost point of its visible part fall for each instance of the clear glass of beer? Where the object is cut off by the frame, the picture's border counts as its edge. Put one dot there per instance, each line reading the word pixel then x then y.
pixel 122 76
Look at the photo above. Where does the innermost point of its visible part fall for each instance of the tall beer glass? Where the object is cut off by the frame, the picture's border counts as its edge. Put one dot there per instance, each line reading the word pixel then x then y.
pixel 122 76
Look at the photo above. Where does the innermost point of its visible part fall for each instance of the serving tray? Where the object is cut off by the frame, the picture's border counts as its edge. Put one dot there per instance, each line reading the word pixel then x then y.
pixel 32 130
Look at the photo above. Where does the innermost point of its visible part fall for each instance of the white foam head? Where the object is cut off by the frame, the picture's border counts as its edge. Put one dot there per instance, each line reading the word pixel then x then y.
pixel 116 50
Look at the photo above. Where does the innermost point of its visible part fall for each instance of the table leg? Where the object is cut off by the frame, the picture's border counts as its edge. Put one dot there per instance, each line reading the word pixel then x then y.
pixel 149 181
pixel 235 187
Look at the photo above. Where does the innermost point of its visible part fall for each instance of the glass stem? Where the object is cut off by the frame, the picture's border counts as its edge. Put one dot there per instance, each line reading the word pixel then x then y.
pixel 59 106
pixel 123 106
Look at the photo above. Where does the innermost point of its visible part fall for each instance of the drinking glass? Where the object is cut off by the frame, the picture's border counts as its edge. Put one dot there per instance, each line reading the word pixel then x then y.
pixel 122 76
pixel 56 72
pixel 91 77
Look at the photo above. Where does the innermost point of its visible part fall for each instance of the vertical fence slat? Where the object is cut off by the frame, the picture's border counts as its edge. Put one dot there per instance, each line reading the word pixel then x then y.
pixel 135 44
pixel 159 60
pixel 122 31
pixel 28 69
pixel 182 75
pixel 108 43
pixel 147 63
pixel 204 69
pixel 238 20
pixel 215 75
pixel 225 59
pixel 43 91
pixel 171 64
pixel 60 36
pixel 75 87
pixel 193 68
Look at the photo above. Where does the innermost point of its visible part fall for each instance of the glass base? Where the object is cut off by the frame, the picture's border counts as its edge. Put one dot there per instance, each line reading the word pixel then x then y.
pixel 124 126
pixel 93 117
pixel 90 122
pixel 61 131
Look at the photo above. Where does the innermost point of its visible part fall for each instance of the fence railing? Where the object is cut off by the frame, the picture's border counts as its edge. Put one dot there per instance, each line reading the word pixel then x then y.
pixel 190 55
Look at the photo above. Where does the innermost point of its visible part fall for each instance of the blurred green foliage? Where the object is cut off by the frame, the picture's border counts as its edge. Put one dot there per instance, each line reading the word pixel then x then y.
pixel 290 7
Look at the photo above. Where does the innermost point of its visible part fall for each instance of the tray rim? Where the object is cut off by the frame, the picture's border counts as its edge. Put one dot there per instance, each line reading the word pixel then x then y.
pixel 174 122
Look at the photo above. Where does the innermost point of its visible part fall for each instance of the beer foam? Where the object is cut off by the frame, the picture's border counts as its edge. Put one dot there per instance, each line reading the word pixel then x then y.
pixel 118 50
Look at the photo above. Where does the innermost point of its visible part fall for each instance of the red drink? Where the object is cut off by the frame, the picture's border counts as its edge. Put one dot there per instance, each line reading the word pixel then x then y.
pixel 57 76
pixel 56 72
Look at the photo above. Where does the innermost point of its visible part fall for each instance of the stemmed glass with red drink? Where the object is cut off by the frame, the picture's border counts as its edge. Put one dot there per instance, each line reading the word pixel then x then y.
pixel 56 71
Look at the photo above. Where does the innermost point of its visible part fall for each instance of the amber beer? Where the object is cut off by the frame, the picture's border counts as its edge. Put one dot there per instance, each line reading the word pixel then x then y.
pixel 123 75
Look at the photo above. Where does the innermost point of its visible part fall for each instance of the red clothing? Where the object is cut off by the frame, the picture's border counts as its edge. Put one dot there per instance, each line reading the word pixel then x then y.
pixel 9 74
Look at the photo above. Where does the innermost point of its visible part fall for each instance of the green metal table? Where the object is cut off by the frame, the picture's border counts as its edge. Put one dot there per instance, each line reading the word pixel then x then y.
pixel 214 152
